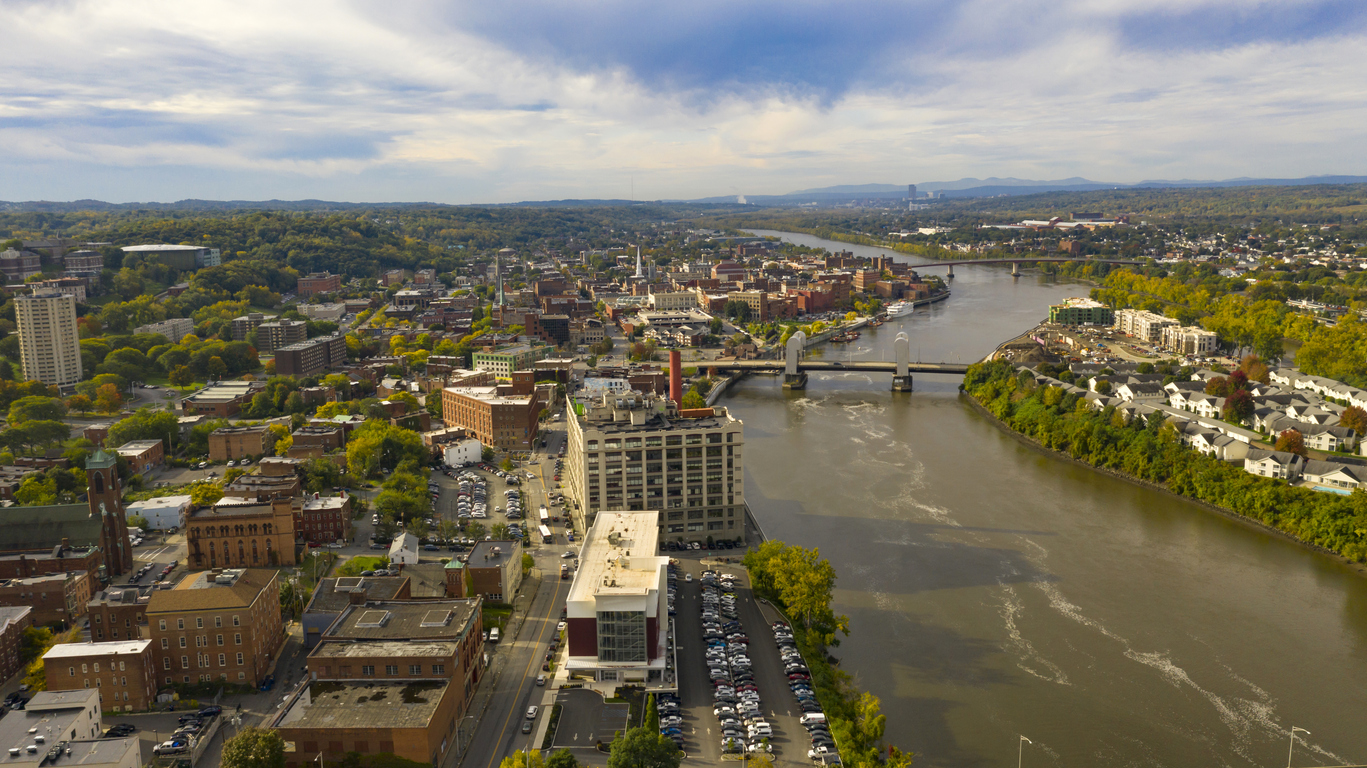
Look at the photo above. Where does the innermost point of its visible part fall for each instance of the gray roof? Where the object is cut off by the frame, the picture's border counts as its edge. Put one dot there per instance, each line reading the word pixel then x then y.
pixel 43 528
pixel 333 595
pixel 390 620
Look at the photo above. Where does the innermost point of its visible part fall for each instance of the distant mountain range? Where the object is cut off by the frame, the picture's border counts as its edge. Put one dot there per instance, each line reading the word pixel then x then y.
pixel 993 186
pixel 989 187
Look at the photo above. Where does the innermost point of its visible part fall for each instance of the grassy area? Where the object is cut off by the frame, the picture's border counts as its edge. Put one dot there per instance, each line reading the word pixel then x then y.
pixel 550 727
pixel 356 565
pixel 310 572
pixel 497 617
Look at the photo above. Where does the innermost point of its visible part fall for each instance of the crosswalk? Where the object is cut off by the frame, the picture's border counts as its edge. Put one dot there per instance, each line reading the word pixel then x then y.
pixel 152 555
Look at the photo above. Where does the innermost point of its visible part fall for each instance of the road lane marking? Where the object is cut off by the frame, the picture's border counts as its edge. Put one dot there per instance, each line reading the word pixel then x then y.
pixel 518 696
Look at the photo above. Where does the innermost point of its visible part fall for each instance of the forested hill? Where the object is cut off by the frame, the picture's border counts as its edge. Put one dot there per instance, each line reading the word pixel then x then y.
pixel 355 243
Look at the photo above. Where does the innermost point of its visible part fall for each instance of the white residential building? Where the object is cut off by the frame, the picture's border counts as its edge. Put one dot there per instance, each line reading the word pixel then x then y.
pixel 49 345
pixel 163 512
pixel 404 550
pixel 174 329
pixel 1282 465
pixel 1142 324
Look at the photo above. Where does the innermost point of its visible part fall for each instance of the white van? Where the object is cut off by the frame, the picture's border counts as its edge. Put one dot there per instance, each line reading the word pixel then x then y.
pixel 812 717
pixel 493 638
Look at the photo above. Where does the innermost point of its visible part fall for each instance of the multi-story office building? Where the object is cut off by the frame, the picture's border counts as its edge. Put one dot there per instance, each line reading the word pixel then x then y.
pixel 318 282
pixel 219 625
pixel 504 417
pixel 394 677
pixel 227 443
pixel 49 346
pixel 182 257
pixel 503 362
pixel 122 671
pixel 281 333
pixel 309 357
pixel 175 328
pixel 634 451
pixel 84 263
pixel 616 614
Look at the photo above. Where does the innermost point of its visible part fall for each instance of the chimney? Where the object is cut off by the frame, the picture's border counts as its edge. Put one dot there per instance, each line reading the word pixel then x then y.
pixel 676 378
pixel 356 597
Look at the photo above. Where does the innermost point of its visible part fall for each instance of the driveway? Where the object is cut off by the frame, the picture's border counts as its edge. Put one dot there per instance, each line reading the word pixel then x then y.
pixel 586 719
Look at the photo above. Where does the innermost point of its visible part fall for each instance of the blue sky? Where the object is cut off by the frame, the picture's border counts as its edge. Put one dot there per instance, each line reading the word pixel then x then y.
pixel 472 102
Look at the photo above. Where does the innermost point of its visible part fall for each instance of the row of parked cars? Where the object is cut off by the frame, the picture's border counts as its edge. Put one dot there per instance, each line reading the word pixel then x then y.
pixel 735 694
pixel 190 727
pixel 813 719
pixel 671 721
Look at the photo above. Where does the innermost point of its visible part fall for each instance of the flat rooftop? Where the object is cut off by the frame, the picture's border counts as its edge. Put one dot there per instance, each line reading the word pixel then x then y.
pixel 328 704
pixel 347 649
pixel 392 620
pixel 490 395
pixel 71 650
pixel 618 557
pixel 484 556
pixel 334 594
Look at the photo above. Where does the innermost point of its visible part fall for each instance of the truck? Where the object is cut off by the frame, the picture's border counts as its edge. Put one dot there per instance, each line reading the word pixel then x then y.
pixel 564 571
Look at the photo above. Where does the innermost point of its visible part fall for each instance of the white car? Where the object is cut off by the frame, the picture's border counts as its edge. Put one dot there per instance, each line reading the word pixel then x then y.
pixel 531 713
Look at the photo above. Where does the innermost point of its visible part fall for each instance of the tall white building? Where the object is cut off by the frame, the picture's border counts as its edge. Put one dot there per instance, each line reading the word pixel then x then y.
pixel 617 612
pixel 49 346
pixel 633 451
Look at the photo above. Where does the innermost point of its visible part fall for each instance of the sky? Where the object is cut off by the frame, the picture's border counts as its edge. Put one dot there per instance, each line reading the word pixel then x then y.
pixel 491 102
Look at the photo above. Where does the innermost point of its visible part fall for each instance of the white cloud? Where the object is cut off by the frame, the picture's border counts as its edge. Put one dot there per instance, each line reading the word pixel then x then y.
pixel 309 99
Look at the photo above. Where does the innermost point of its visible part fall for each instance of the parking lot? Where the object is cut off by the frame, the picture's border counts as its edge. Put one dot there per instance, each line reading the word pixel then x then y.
pixel 585 719
pixel 701 730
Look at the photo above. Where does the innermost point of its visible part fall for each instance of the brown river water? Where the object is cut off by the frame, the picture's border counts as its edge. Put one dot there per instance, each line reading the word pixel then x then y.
pixel 995 591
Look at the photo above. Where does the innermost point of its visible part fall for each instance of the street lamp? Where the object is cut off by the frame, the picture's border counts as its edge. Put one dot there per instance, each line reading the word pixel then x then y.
pixel 1292 748
pixel 1020 749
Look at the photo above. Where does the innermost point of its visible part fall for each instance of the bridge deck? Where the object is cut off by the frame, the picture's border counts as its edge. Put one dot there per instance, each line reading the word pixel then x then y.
pixel 884 366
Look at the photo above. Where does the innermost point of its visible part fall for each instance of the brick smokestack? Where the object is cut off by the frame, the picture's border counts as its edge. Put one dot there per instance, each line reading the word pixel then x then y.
pixel 676 378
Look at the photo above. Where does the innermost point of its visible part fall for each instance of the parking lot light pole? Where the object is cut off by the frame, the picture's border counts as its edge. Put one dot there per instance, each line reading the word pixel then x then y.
pixel 1292 748
pixel 1020 749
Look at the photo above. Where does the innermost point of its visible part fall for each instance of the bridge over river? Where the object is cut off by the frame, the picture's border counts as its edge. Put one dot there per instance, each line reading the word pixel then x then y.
pixel 794 366
pixel 1016 263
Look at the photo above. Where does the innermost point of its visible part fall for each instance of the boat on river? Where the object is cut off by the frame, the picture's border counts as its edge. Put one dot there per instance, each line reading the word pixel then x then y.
pixel 900 308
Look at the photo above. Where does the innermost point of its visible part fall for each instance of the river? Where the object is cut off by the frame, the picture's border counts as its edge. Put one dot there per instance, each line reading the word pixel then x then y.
pixel 994 591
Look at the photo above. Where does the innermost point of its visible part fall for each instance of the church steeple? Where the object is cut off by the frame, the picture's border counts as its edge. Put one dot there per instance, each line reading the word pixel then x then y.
pixel 106 502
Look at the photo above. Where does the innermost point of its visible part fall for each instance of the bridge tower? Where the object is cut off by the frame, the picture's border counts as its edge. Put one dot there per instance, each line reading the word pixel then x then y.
pixel 901 348
pixel 1015 269
pixel 951 271
pixel 792 377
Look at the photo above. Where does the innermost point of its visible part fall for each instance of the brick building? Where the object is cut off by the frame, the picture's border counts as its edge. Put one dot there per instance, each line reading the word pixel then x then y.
pixel 142 455
pixel 324 519
pixel 222 624
pixel 57 599
pixel 123 672
pixel 387 677
pixel 241 535
pixel 13 621
pixel 118 614
pixel 318 282
pixel 263 487
pixel 493 572
pixel 228 443
pixel 313 356
pixel 281 333
pixel 502 416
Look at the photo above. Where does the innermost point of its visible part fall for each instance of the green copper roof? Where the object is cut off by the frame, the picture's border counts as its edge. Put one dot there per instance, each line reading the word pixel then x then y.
pixel 100 460
pixel 42 528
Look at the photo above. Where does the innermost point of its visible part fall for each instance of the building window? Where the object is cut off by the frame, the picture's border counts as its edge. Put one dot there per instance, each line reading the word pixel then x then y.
pixel 438 669
pixel 71 671
pixel 184 662
pixel 236 622
pixel 415 669
pixel 199 623
pixel 367 670
pixel 180 623
pixel 222 659
pixel 621 636
pixel 182 642
pixel 218 621
pixel 163 625
pixel 220 640
pixel 237 639
pixel 166 664
pixel 391 669
pixel 239 660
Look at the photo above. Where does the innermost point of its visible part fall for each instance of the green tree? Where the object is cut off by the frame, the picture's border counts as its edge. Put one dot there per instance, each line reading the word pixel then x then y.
pixel 1291 441
pixel 145 424
pixel 254 748
pixel 137 521
pixel 506 465
pixel 562 758
pixel 692 399
pixel 205 494
pixel 652 716
pixel 33 408
pixel 1355 419
pixel 644 748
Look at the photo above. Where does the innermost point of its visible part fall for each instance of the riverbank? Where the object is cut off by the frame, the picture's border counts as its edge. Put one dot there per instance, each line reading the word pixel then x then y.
pixel 1328 507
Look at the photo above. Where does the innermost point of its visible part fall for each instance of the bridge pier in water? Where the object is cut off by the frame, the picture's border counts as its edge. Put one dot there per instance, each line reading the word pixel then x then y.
pixel 795 380
pixel 901 351
pixel 951 272
pixel 1015 269
pixel 901 383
